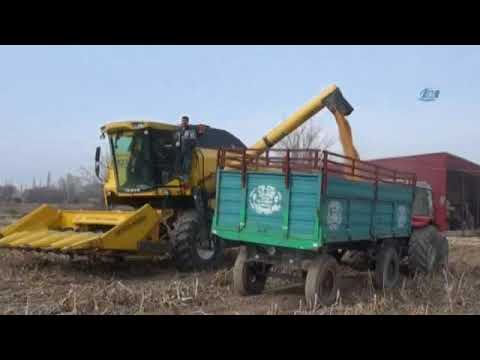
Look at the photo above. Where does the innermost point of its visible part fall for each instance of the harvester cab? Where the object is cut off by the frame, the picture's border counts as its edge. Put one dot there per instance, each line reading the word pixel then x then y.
pixel 142 158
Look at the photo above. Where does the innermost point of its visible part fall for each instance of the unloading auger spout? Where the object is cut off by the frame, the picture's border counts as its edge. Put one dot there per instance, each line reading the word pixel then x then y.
pixel 330 98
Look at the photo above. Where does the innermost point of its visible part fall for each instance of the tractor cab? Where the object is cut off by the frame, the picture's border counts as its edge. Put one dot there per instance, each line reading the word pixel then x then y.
pixel 423 212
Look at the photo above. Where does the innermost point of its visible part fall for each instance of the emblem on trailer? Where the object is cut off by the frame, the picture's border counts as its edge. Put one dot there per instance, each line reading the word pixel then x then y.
pixel 401 216
pixel 265 199
pixel 334 215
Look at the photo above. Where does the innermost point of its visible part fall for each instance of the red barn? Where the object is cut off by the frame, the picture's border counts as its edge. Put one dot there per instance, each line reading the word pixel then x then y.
pixel 455 185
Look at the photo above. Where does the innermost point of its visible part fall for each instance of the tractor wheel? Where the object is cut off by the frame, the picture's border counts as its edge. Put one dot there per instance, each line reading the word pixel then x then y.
pixel 249 277
pixel 441 243
pixel 193 247
pixel 387 268
pixel 422 252
pixel 321 283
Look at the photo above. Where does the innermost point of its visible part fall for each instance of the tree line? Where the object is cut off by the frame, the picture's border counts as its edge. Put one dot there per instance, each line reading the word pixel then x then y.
pixel 71 188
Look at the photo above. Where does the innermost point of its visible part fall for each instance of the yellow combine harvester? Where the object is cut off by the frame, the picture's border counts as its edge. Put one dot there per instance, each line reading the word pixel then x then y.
pixel 173 211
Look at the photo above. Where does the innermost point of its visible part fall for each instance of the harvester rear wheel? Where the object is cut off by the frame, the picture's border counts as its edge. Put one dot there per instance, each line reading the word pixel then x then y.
pixel 422 250
pixel 193 247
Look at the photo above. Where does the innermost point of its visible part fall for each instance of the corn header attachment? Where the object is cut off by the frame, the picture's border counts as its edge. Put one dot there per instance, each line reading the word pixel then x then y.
pixel 50 229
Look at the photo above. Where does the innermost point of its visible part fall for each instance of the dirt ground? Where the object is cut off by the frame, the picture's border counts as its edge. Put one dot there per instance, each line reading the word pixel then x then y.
pixel 51 284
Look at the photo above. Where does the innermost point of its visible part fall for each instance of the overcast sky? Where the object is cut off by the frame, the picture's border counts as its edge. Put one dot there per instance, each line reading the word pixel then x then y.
pixel 53 99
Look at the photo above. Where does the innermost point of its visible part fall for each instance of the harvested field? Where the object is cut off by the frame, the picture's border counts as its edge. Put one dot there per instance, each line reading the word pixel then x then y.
pixel 50 284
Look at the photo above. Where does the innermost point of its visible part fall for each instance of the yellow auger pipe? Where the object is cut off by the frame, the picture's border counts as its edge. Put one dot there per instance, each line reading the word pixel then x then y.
pixel 330 97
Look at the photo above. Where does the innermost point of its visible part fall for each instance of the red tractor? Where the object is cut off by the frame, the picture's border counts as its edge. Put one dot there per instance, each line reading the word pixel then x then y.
pixel 428 246
pixel 427 251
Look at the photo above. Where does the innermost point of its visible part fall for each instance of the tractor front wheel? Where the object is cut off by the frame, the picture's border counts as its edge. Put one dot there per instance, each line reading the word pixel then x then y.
pixel 441 243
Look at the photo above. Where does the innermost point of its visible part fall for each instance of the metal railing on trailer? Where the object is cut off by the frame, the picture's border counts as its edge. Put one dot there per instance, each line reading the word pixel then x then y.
pixel 310 160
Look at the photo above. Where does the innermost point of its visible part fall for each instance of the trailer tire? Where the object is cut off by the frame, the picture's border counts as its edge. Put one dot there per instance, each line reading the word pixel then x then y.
pixel 387 268
pixel 321 282
pixel 189 231
pixel 422 250
pixel 249 277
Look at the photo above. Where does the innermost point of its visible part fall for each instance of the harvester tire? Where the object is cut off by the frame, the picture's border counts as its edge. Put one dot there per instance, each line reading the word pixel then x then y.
pixel 422 250
pixel 188 234
pixel 321 282
pixel 387 268
pixel 249 277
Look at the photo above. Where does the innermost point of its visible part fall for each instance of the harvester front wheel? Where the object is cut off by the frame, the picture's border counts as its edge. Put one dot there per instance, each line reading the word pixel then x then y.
pixel 193 246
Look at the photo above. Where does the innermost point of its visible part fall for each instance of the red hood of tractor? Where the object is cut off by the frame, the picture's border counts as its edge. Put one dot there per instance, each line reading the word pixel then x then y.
pixel 421 221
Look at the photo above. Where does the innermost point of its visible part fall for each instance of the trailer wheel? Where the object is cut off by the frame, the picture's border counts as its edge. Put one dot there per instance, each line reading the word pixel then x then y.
pixel 387 268
pixel 422 250
pixel 321 283
pixel 193 247
pixel 249 277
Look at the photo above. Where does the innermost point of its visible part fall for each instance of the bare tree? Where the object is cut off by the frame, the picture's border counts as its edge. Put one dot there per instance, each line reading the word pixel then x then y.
pixel 311 135
pixel 7 192
pixel 49 195
pixel 70 185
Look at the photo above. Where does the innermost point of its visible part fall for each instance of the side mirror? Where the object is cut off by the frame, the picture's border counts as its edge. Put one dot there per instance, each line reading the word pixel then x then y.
pixel 97 161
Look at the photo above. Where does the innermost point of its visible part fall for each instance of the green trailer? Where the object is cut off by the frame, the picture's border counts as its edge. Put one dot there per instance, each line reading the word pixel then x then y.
pixel 307 209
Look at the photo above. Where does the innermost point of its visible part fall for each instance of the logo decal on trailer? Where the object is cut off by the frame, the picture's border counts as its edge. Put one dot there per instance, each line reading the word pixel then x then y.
pixel 401 216
pixel 334 215
pixel 265 199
